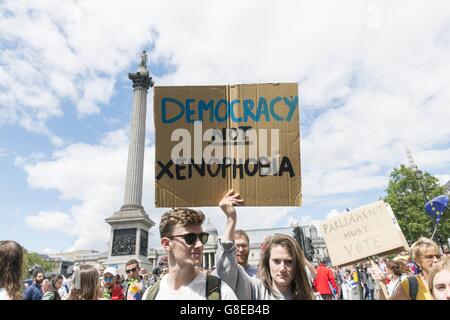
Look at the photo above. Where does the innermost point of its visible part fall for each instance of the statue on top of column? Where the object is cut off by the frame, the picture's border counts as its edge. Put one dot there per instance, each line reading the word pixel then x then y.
pixel 143 59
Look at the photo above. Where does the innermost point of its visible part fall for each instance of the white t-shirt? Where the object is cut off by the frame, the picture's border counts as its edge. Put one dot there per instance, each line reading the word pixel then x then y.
pixel 4 294
pixel 195 290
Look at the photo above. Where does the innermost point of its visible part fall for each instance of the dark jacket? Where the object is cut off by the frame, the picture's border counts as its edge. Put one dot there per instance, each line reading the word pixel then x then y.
pixel 33 292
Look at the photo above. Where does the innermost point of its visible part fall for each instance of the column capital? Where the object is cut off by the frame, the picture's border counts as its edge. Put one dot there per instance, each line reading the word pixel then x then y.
pixel 141 80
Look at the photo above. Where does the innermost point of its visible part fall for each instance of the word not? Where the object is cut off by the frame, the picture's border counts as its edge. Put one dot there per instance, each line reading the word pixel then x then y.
pixel 222 110
pixel 263 167
pixel 348 219
pixel 365 245
pixel 197 310
pixel 228 142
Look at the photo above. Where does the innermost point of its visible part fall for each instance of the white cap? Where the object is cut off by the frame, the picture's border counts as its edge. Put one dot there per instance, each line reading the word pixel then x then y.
pixel 111 270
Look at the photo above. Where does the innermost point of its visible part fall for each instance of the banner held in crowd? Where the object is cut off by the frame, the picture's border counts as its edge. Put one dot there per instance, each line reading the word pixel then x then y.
pixel 210 139
pixel 362 233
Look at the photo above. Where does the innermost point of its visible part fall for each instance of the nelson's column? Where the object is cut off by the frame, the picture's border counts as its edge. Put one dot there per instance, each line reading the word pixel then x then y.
pixel 130 225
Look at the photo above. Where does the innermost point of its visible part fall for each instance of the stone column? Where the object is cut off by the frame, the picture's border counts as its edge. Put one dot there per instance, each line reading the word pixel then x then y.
pixel 135 165
pixel 132 214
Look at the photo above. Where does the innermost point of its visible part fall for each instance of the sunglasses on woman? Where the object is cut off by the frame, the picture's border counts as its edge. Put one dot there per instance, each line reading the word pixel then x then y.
pixel 191 238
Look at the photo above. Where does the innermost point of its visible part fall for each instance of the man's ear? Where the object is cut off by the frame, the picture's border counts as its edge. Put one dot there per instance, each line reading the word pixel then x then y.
pixel 166 243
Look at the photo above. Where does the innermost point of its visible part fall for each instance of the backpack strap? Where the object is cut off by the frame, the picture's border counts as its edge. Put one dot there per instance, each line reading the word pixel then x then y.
pixel 213 284
pixel 413 284
pixel 152 291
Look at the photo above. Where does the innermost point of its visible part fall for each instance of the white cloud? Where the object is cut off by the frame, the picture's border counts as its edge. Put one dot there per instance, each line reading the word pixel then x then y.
pixel 443 178
pixel 49 251
pixel 333 213
pixel 50 221
pixel 92 175
pixel 436 159
pixel 30 159
pixel 52 52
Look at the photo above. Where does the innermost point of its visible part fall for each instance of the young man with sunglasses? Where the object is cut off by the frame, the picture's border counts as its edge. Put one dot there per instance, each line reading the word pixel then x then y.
pixel 183 239
pixel 135 285
pixel 111 290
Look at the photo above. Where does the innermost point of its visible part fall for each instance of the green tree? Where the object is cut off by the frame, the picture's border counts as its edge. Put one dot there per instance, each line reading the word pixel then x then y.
pixel 32 260
pixel 406 197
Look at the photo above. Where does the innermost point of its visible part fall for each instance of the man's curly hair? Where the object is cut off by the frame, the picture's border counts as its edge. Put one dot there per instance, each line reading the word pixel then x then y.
pixel 182 216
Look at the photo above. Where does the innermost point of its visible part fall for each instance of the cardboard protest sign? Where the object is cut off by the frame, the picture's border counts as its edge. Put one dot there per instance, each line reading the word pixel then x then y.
pixel 210 139
pixel 361 233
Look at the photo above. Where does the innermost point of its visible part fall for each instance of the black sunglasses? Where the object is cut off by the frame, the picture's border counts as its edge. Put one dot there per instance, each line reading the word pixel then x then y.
pixel 191 238
pixel 131 270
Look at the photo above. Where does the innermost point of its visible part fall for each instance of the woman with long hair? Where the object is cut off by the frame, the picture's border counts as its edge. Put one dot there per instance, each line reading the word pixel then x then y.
pixel 52 293
pixel 11 266
pixel 282 271
pixel 85 284
pixel 293 282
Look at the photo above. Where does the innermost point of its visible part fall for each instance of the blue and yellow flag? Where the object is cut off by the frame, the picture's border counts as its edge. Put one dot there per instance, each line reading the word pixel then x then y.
pixel 437 207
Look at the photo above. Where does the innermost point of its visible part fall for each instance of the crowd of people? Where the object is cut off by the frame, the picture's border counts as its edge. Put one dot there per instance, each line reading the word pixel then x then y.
pixel 283 272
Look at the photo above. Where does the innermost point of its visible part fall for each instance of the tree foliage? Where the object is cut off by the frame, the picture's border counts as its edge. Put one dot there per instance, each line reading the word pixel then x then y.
pixel 406 197
pixel 34 260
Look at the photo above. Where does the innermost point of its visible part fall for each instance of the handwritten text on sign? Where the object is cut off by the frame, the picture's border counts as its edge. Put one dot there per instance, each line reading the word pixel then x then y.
pixel 361 233
pixel 189 158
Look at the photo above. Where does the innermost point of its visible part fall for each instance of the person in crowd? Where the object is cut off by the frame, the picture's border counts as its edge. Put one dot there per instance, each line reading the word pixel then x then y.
pixel 11 267
pixel 101 270
pixel 425 253
pixel 64 290
pixel 145 277
pixel 394 274
pixel 111 291
pixel 439 280
pixel 281 271
pixel 135 286
pixel 85 284
pixel 45 286
pixel 55 283
pixel 347 285
pixel 242 243
pixel 154 277
pixel 34 291
pixel 364 277
pixel 370 285
pixel 183 239
pixel 325 282
pixel 446 251
pixel 337 275
pixel 119 280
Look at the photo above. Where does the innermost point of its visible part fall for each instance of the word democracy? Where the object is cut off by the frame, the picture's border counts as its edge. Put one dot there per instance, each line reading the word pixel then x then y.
pixel 222 110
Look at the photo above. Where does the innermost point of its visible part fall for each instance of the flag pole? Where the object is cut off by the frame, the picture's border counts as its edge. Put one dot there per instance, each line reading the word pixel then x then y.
pixel 435 228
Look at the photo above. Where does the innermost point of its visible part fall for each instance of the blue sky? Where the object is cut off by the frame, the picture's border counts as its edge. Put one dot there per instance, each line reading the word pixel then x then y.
pixel 371 75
